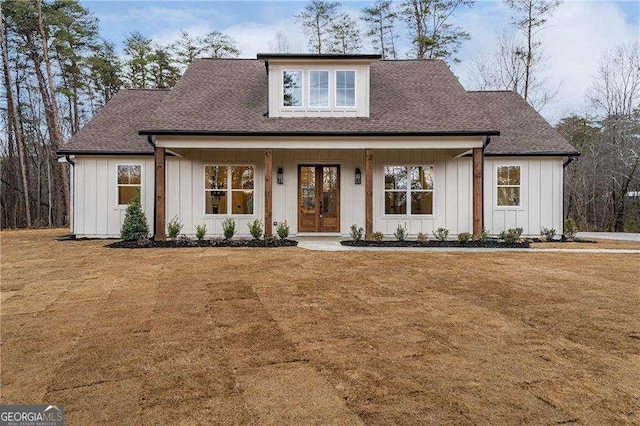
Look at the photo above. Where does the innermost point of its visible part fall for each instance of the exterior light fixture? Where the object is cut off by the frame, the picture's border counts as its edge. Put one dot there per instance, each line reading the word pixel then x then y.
pixel 280 176
pixel 358 176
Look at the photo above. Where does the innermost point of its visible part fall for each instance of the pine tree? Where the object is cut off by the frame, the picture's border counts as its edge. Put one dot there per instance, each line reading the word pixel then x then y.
pixel 135 226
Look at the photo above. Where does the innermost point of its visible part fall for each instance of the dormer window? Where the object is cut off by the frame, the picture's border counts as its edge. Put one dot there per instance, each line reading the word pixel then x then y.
pixel 345 89
pixel 292 88
pixel 319 89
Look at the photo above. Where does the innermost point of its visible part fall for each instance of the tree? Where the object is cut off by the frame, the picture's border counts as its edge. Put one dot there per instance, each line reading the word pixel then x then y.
pixel 316 20
pixel 105 72
pixel 530 18
pixel 219 45
pixel 432 34
pixel 163 73
pixel 280 44
pixel 380 19
pixel 186 48
pixel 344 36
pixel 134 226
pixel 138 50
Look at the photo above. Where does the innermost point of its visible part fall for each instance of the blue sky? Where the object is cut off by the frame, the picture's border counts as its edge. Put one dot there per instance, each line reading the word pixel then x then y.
pixel 576 37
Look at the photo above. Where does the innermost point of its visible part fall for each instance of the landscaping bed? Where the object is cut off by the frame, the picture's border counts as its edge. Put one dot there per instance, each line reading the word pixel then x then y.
pixel 434 244
pixel 181 243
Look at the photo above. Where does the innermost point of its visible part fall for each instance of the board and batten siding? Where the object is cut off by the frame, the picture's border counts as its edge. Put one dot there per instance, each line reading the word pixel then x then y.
pixel 541 195
pixel 96 213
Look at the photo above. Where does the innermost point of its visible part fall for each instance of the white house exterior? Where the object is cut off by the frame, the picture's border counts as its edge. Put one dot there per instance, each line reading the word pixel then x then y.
pixel 323 142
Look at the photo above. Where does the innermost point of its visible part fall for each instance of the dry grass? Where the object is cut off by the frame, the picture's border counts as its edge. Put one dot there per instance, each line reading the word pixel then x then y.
pixel 595 244
pixel 242 336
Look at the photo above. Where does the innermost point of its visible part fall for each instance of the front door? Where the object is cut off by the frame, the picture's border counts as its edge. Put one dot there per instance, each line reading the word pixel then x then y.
pixel 318 198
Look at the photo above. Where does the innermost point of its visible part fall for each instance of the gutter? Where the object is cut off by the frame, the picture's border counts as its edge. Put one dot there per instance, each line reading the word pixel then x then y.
pixel 316 133
pixel 73 195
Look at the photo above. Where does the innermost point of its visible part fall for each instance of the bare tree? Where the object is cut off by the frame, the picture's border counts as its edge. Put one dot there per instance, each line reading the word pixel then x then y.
pixel 380 19
pixel 344 35
pixel 280 43
pixel 316 20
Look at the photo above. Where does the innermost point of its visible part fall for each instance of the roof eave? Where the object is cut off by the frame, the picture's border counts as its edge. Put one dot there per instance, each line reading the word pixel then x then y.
pixel 317 133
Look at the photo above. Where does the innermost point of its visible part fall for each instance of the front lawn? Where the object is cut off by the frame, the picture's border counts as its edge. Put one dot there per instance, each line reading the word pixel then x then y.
pixel 286 335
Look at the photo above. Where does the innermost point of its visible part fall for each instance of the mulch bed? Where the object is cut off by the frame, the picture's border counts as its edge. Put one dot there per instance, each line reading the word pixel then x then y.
pixel 181 243
pixel 448 244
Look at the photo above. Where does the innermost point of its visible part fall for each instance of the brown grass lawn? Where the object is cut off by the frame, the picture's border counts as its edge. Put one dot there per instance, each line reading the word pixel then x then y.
pixel 272 336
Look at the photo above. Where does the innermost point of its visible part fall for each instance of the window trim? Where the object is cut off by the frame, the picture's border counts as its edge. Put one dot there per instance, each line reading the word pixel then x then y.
pixel 227 190
pixel 355 89
pixel 119 206
pixel 309 106
pixel 302 86
pixel 520 205
pixel 408 192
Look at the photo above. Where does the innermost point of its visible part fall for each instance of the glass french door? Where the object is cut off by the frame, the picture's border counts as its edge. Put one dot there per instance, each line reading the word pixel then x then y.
pixel 318 198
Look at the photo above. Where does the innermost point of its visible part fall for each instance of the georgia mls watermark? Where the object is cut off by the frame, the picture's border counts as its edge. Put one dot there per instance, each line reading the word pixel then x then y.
pixel 31 415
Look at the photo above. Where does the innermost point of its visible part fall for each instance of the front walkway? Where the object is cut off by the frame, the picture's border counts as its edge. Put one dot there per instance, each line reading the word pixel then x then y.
pixel 624 236
pixel 333 244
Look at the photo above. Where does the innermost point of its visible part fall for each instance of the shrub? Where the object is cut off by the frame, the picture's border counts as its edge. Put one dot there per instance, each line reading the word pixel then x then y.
pixel 485 235
pixel 135 226
pixel 174 227
pixel 547 233
pixel 356 233
pixel 422 237
pixel 229 228
pixel 464 237
pixel 511 236
pixel 441 234
pixel 570 228
pixel 282 230
pixel 377 237
pixel 255 229
pixel 401 233
pixel 201 230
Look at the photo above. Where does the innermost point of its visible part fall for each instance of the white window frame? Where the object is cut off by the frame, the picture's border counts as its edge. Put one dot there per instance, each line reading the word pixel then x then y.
pixel 229 190
pixel 309 89
pixel 118 185
pixel 408 192
pixel 302 89
pixel 497 186
pixel 355 89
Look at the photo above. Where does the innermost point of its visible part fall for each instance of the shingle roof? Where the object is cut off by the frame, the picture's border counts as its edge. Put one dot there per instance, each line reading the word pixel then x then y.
pixel 230 95
pixel 522 129
pixel 115 128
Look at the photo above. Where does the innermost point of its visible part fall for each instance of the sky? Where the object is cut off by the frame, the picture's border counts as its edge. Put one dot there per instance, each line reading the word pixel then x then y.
pixel 574 40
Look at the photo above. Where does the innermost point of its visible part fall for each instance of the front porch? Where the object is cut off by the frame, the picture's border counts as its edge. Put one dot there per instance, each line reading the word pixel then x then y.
pixel 320 191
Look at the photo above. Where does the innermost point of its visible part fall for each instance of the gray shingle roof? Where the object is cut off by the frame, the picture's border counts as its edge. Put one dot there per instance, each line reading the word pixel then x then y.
pixel 115 128
pixel 230 95
pixel 522 129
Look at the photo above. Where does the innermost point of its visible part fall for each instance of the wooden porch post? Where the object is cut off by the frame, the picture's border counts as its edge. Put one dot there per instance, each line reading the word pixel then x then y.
pixel 368 172
pixel 160 197
pixel 478 163
pixel 268 202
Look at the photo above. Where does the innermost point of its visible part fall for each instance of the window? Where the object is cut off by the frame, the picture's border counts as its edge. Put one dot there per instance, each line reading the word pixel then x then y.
pixel 292 88
pixel 228 189
pixel 345 88
pixel 129 183
pixel 318 88
pixel 508 186
pixel 408 190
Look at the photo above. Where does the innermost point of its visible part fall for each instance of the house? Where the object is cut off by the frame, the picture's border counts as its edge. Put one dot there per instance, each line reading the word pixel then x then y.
pixel 323 142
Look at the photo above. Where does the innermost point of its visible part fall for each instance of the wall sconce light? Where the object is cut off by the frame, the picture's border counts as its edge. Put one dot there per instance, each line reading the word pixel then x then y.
pixel 280 176
pixel 358 176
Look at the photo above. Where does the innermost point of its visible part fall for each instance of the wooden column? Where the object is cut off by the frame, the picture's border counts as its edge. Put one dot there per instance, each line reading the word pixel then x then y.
pixel 160 195
pixel 478 163
pixel 368 173
pixel 268 200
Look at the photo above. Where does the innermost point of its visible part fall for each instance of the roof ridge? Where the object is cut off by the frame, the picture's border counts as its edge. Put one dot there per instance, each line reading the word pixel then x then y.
pixel 491 91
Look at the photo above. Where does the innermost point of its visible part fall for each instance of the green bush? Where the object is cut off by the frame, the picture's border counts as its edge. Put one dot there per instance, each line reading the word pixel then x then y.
pixel 356 233
pixel 547 234
pixel 135 226
pixel 174 227
pixel 464 237
pixel 511 236
pixel 377 237
pixel 485 235
pixel 441 234
pixel 255 229
pixel 283 230
pixel 401 233
pixel 229 228
pixel 201 231
pixel 570 228
pixel 422 237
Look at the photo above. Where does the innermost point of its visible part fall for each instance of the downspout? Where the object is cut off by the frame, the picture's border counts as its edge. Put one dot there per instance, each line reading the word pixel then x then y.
pixel 150 140
pixel 266 66
pixel 73 175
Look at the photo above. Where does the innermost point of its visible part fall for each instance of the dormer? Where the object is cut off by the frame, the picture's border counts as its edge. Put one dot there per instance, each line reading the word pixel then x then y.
pixel 318 85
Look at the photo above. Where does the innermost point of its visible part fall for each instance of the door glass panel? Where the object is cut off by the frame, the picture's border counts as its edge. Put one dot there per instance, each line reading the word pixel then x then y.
pixel 329 190
pixel 308 189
